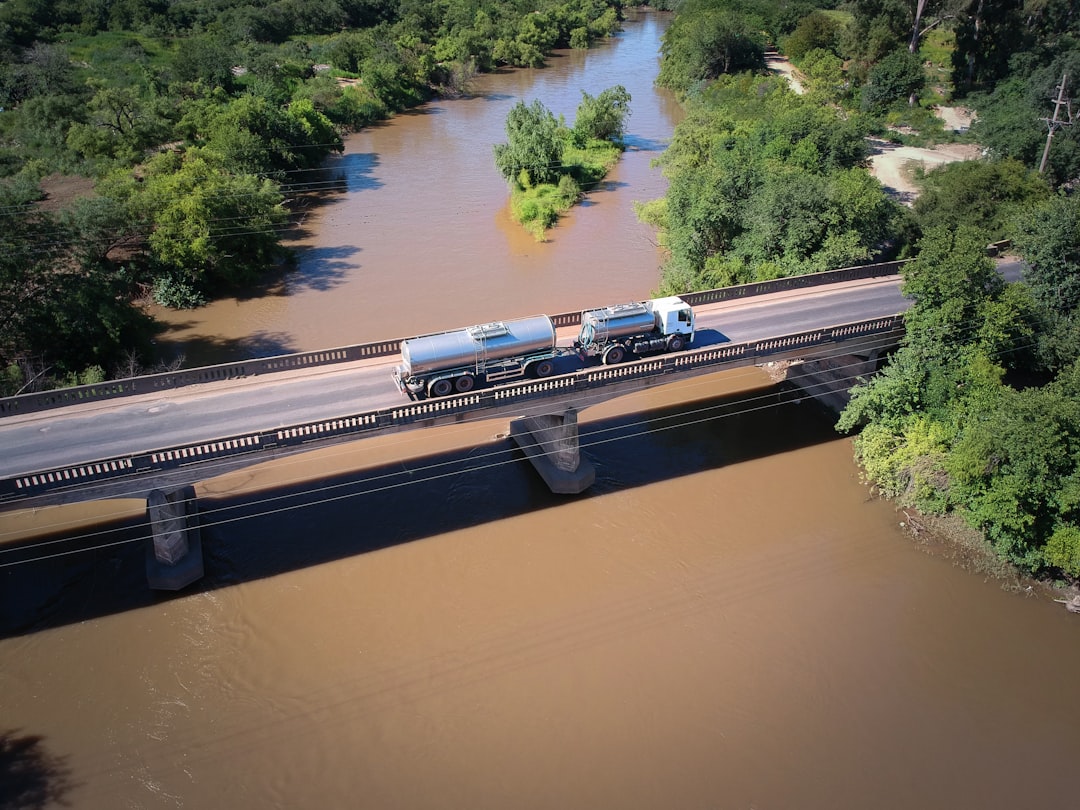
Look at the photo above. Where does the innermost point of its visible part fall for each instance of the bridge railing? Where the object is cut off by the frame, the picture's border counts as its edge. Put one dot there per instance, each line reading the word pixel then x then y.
pixel 369 422
pixel 151 383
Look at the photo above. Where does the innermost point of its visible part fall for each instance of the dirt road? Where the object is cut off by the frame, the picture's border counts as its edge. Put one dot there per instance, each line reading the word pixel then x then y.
pixel 892 164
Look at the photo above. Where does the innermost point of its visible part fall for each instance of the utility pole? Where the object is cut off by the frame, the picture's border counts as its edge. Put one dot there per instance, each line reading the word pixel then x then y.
pixel 1054 124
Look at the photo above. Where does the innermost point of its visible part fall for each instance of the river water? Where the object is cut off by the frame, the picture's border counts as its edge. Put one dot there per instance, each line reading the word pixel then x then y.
pixel 725 620
pixel 423 239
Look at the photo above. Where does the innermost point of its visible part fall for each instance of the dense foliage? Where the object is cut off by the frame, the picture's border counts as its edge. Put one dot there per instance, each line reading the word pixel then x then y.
pixel 194 124
pixel 978 413
pixel 765 183
pixel 955 423
pixel 549 165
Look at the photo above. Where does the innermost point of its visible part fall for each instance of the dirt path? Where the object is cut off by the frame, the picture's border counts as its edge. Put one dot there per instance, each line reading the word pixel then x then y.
pixel 892 164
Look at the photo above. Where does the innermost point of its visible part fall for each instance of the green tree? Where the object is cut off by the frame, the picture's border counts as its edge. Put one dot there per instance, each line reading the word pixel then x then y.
pixel 978 193
pixel 816 31
pixel 824 77
pixel 534 145
pixel 897 77
pixel 207 58
pixel 1018 474
pixel 602 118
pixel 1048 237
pixel 705 41
pixel 209 226
pixel 121 125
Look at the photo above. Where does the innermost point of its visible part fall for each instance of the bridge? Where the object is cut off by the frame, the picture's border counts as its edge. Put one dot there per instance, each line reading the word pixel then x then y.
pixel 120 438
pixel 154 437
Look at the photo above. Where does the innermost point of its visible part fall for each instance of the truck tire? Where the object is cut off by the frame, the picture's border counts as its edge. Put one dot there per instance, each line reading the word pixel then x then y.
pixel 675 343
pixel 465 383
pixel 440 388
pixel 613 355
pixel 543 369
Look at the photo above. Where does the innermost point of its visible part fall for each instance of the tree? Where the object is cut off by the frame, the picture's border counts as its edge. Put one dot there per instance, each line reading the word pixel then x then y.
pixel 703 43
pixel 121 125
pixel 209 226
pixel 896 77
pixel 816 31
pixel 977 193
pixel 535 146
pixel 1008 119
pixel 602 118
pixel 1048 237
pixel 1018 473
pixel 207 58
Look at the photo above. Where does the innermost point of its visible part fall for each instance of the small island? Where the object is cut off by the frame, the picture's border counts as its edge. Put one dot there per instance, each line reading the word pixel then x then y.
pixel 549 165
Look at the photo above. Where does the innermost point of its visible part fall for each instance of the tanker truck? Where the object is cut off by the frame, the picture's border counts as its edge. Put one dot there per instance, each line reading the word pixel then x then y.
pixel 445 362
pixel 662 324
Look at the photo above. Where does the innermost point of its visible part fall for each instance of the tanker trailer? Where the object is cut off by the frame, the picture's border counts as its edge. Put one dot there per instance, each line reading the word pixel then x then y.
pixel 445 362
pixel 661 324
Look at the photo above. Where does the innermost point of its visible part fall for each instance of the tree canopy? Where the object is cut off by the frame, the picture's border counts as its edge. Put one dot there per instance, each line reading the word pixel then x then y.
pixel 197 122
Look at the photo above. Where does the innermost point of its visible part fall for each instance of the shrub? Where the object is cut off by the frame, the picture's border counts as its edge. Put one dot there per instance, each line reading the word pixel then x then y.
pixel 1062 550
pixel 177 291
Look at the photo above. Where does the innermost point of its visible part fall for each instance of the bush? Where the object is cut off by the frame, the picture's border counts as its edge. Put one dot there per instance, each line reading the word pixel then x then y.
pixel 1063 550
pixel 895 78
pixel 177 292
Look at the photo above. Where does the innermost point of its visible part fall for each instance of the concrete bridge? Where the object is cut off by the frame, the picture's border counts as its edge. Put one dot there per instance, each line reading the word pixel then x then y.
pixel 89 443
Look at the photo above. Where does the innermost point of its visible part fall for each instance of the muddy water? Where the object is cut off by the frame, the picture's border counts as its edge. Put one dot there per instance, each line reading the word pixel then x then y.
pixel 422 239
pixel 726 620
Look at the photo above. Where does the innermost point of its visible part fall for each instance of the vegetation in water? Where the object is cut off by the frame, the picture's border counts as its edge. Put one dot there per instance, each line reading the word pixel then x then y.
pixel 549 165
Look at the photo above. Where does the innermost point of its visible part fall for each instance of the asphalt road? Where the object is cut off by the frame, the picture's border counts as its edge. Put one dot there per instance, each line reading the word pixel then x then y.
pixel 94 431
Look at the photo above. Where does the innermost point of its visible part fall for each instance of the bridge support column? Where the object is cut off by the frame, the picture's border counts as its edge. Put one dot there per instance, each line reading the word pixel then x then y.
pixel 829 380
pixel 174 557
pixel 551 443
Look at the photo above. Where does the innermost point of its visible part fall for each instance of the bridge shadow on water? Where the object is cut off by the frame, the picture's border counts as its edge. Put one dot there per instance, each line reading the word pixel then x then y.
pixel 340 515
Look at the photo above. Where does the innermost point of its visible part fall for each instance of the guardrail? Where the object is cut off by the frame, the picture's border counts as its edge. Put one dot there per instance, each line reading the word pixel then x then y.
pixel 369 422
pixel 151 383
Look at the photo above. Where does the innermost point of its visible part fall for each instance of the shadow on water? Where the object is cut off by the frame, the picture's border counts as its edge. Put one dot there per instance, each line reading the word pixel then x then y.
pixel 324 268
pixel 250 537
pixel 201 350
pixel 30 776
pixel 357 170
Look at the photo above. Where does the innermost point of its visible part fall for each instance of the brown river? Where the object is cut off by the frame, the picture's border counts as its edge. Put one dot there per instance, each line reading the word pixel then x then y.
pixel 725 620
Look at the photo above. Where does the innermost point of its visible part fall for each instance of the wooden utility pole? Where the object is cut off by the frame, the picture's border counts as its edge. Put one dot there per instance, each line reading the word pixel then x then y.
pixel 1054 123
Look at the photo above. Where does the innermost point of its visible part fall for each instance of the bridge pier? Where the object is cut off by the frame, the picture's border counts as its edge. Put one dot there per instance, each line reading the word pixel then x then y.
pixel 829 380
pixel 551 442
pixel 174 556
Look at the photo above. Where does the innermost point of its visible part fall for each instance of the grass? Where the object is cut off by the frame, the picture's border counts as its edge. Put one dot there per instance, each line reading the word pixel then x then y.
pixel 538 207
pixel 117 52
pixel 936 51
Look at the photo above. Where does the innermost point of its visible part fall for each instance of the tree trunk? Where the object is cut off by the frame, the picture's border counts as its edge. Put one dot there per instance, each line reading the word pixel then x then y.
pixel 914 44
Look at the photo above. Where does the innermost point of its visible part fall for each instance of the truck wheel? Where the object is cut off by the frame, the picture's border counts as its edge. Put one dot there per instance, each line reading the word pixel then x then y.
pixel 675 343
pixel 543 368
pixel 465 383
pixel 613 355
pixel 440 388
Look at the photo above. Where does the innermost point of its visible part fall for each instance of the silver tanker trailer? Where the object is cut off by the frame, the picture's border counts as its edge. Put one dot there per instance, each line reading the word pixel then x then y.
pixel 457 360
pixel 662 324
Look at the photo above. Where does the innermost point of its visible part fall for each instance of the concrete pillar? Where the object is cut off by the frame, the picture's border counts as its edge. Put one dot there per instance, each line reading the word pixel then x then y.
pixel 829 380
pixel 551 443
pixel 174 556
